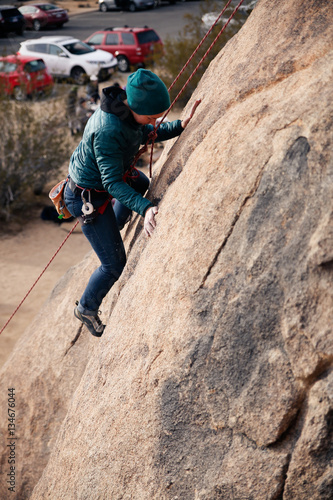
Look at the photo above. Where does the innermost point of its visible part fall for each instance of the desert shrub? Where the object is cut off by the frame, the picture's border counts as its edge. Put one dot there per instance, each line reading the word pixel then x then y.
pixel 34 145
pixel 177 51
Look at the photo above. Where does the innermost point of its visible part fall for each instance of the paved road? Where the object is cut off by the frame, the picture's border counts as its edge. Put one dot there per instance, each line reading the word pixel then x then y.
pixel 168 20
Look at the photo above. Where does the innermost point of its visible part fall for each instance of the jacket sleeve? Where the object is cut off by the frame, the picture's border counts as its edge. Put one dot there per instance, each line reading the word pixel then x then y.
pixel 166 131
pixel 108 148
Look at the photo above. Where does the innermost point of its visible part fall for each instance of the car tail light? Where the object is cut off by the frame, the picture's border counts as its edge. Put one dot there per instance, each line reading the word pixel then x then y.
pixel 139 51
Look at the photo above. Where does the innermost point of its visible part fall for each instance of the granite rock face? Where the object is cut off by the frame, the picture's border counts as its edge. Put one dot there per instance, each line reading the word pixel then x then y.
pixel 214 376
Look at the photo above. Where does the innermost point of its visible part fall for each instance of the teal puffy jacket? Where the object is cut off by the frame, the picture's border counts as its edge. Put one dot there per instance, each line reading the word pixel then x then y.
pixel 109 144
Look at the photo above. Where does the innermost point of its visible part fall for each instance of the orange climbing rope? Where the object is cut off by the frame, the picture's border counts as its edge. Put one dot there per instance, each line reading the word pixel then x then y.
pixel 153 134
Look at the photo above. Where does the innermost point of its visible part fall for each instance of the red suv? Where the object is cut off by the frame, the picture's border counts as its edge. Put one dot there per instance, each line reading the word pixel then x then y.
pixel 22 76
pixel 131 46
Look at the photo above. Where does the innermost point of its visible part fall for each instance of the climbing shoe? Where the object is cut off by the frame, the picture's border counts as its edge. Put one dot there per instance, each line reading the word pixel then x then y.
pixel 92 322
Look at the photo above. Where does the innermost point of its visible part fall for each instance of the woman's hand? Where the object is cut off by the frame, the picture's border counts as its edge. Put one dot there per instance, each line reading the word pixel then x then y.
pixel 187 120
pixel 150 222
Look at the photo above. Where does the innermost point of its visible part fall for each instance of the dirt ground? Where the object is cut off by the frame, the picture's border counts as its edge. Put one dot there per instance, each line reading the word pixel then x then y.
pixel 23 257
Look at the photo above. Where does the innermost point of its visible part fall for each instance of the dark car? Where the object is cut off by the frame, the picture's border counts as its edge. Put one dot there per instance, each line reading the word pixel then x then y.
pixel 22 76
pixel 131 46
pixel 11 20
pixel 131 5
pixel 41 15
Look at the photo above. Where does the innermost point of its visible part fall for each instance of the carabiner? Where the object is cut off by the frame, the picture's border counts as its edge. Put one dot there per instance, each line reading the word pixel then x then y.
pixel 87 207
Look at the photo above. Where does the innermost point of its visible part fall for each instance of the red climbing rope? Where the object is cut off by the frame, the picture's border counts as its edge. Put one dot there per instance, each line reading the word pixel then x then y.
pixel 41 274
pixel 202 41
pixel 153 134
pixel 144 148
pixel 202 59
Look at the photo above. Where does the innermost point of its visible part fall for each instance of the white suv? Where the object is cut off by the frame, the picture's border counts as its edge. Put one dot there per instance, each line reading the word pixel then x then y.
pixel 69 57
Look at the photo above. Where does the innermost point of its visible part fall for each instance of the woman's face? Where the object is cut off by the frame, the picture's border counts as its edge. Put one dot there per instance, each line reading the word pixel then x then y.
pixel 147 119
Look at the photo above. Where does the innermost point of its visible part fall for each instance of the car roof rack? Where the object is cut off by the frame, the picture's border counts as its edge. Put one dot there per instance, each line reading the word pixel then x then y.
pixel 114 28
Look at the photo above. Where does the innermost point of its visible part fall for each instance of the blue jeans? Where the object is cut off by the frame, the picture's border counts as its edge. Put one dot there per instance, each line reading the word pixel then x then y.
pixel 103 233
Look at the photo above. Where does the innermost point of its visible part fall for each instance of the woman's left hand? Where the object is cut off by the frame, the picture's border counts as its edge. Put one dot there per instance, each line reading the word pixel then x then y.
pixel 150 222
pixel 187 120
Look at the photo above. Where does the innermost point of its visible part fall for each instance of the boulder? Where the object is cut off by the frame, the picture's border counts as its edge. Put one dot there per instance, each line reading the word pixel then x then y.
pixel 213 378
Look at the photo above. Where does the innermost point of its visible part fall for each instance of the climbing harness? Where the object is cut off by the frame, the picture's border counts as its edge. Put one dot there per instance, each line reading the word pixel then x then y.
pixel 151 139
pixel 89 211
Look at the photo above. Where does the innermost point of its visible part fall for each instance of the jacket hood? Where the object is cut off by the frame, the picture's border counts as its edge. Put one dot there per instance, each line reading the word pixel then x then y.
pixel 112 101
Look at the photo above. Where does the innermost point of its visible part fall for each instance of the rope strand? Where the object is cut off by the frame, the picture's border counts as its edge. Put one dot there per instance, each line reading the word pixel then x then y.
pixel 195 70
pixel 41 274
pixel 198 47
pixel 201 61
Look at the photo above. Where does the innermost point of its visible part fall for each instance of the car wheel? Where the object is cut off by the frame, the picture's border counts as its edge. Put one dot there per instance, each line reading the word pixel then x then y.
pixel 36 25
pixel 103 7
pixel 19 94
pixel 132 7
pixel 123 64
pixel 79 75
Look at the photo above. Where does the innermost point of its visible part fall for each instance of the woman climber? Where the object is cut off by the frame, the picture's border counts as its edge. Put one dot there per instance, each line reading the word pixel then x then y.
pixel 100 168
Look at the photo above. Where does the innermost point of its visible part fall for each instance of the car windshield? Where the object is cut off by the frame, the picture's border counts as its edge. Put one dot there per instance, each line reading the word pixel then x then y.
pixel 7 67
pixel 147 37
pixel 33 66
pixel 47 6
pixel 78 48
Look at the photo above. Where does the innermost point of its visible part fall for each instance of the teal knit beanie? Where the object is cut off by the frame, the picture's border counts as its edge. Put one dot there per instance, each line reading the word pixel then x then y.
pixel 146 93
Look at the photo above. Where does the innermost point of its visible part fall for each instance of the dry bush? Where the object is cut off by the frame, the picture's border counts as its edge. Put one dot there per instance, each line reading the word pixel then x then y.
pixel 34 144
